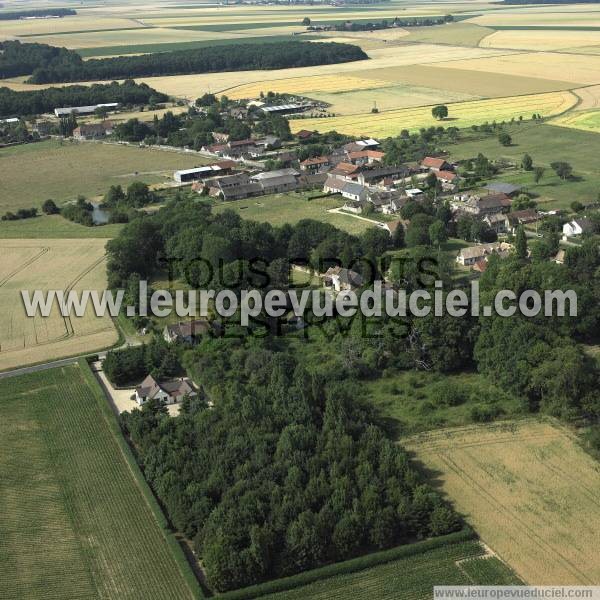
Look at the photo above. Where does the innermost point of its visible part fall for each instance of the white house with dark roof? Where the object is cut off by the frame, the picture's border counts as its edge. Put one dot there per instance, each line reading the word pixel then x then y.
pixel 169 392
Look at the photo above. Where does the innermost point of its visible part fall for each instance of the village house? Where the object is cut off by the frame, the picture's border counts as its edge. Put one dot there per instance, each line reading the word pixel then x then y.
pixel 187 332
pixel 305 134
pixel 522 217
pixel 365 157
pixel 357 146
pixel 344 170
pixel 498 222
pixel 168 392
pixel 435 165
pixel 341 279
pixel 480 207
pixel 473 254
pixel 334 185
pixel 577 227
pixel 354 191
pixel 313 165
pixel 376 175
pixel 93 131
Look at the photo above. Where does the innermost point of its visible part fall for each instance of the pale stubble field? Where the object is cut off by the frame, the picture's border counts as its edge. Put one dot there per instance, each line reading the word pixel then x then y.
pixel 50 264
pixel 530 491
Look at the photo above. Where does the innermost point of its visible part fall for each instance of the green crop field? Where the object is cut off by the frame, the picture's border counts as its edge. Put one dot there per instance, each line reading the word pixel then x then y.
pixel 77 519
pixel 63 170
pixel 410 578
pixel 579 148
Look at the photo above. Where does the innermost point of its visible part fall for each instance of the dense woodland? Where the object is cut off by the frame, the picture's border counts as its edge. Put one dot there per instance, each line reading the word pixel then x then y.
pixel 47 64
pixel 41 101
pixel 287 471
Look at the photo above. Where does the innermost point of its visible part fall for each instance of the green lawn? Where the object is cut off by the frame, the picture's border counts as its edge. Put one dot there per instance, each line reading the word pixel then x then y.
pixel 55 226
pixel 545 144
pixel 291 207
pixel 61 170
pixel 78 520
pixel 410 578
pixel 417 401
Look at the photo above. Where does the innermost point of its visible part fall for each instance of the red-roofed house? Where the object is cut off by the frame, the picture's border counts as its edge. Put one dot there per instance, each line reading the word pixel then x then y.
pixel 365 157
pixel 312 165
pixel 435 164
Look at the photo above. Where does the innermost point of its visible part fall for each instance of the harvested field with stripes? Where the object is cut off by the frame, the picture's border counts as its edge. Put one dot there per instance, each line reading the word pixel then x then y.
pixel 78 520
pixel 530 491
pixel 44 265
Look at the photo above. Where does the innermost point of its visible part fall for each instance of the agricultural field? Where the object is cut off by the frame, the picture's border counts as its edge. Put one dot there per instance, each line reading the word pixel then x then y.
pixel 63 170
pixel 586 121
pixel 577 147
pixel 411 578
pixel 462 115
pixel 540 39
pixel 578 69
pixel 460 34
pixel 529 490
pixel 43 264
pixel 78 520
pixel 278 209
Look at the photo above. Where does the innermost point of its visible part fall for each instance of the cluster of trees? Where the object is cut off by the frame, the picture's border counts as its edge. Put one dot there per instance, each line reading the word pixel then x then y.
pixel 137 195
pixel 385 24
pixel 130 365
pixel 46 100
pixel 16 133
pixel 40 12
pixel 195 129
pixel 79 212
pixel 218 250
pixel 540 358
pixel 287 472
pixel 22 213
pixel 239 57
pixel 409 147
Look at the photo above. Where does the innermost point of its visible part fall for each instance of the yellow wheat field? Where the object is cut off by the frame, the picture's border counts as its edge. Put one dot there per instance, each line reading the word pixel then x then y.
pixel 580 69
pixel 305 85
pixel 50 264
pixel 462 114
pixel 540 40
pixel 571 15
pixel 529 490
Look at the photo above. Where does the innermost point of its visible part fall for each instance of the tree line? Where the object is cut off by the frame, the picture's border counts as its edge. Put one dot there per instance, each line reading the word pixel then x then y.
pixel 42 12
pixel 46 64
pixel 41 101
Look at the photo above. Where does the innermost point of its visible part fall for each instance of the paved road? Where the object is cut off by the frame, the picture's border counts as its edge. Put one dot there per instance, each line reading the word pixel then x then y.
pixel 43 367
